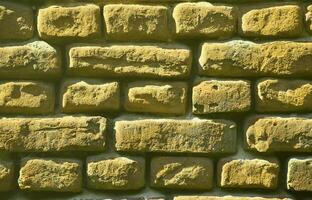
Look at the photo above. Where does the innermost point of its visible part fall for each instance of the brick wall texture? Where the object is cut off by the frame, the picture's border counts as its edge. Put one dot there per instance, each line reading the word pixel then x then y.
pixel 155 100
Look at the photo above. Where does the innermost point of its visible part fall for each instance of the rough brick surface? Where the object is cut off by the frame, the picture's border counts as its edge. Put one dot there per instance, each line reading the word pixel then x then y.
pixel 308 18
pixel 213 96
pixel 253 173
pixel 69 22
pixel 26 97
pixel 136 22
pixel 279 134
pixel 58 175
pixel 176 136
pixel 157 97
pixel 283 95
pixel 90 96
pixel 16 21
pixel 7 175
pixel 130 61
pixel 272 21
pixel 52 134
pixel 299 174
pixel 278 58
pixel 115 173
pixel 204 20
pixel 35 60
pixel 182 173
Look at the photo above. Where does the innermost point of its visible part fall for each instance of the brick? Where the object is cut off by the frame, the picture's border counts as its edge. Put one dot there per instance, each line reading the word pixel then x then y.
pixel 57 134
pixel 176 136
pixel 214 96
pixel 308 19
pixel 299 174
pixel 225 198
pixel 17 21
pixel 35 60
pixel 271 21
pixel 57 175
pixel 81 21
pixel 254 173
pixel 26 97
pixel 244 59
pixel 115 173
pixel 182 173
pixel 7 175
pixel 130 61
pixel 283 95
pixel 90 96
pixel 279 134
pixel 136 22
pixel 204 20
pixel 156 97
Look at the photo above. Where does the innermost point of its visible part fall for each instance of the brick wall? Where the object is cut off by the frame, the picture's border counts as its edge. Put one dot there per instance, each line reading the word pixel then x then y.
pixel 155 100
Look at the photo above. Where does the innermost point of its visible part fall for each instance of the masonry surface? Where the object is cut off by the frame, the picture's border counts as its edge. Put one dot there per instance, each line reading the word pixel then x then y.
pixel 155 100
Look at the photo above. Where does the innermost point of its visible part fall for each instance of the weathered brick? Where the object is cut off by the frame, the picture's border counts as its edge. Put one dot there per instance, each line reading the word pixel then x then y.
pixel 26 97
pixel 136 22
pixel 69 22
pixel 225 198
pixel 57 175
pixel 204 20
pixel 6 175
pixel 115 173
pixel 299 174
pixel 176 136
pixel 156 97
pixel 16 21
pixel 182 173
pixel 130 61
pixel 254 173
pixel 308 19
pixel 283 95
pixel 279 134
pixel 242 58
pixel 271 21
pixel 90 96
pixel 35 60
pixel 52 134
pixel 213 96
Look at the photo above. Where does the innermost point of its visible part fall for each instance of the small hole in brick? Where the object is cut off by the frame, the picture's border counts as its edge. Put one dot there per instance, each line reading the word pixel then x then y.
pixel 215 87
pixel 213 105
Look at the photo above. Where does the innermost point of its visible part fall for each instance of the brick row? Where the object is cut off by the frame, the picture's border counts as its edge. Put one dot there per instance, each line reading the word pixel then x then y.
pixel 38 60
pixel 154 22
pixel 72 133
pixel 105 172
pixel 208 96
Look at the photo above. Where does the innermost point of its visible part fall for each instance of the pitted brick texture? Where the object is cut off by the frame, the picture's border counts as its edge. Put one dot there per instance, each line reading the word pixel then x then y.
pixel 155 99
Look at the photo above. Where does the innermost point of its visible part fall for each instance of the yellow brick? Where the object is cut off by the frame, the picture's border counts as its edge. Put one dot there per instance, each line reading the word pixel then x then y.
pixel 204 20
pixel 271 21
pixel 136 22
pixel 26 97
pixel 69 22
pixel 156 97
pixel 90 96
pixel 176 136
pixel 48 174
pixel 130 61
pixel 16 21
pixel 187 173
